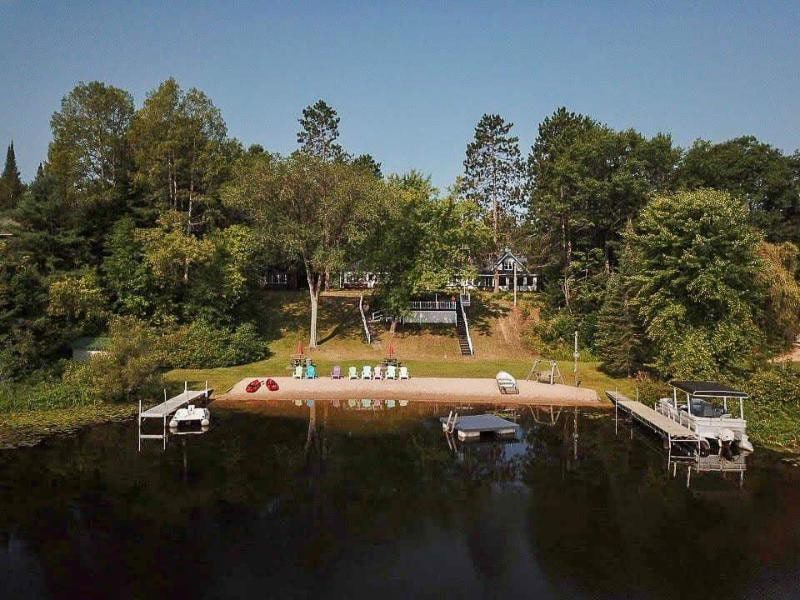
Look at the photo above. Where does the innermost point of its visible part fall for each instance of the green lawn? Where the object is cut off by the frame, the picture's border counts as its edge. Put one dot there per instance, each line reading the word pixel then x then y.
pixel 496 328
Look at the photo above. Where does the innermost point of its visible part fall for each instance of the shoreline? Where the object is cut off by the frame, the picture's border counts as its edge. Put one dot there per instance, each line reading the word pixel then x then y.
pixel 418 389
pixel 26 428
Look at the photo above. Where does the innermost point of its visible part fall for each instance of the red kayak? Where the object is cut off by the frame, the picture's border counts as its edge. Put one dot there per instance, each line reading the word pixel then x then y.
pixel 272 385
pixel 253 386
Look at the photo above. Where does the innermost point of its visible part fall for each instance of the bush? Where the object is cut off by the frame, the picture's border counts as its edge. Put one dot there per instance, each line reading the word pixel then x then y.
pixel 42 391
pixel 202 345
pixel 774 384
pixel 773 410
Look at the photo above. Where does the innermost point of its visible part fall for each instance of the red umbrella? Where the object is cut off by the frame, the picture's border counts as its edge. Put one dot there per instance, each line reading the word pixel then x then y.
pixel 299 347
pixel 391 349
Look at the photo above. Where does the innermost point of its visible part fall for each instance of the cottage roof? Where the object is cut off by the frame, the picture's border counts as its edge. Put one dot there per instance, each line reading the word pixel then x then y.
pixel 505 255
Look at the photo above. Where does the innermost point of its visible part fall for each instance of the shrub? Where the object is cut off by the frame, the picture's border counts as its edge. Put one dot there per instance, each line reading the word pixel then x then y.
pixel 773 410
pixel 202 345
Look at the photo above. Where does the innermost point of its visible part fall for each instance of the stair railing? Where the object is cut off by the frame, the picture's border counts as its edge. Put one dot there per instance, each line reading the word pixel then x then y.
pixel 466 328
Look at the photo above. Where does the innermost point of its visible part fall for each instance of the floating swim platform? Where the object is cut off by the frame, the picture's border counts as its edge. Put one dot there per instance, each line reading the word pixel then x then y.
pixel 472 426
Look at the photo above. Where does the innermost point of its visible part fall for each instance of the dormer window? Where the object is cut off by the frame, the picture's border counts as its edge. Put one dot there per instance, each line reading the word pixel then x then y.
pixel 508 264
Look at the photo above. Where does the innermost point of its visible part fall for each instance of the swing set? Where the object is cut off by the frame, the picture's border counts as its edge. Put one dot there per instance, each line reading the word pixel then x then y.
pixel 544 374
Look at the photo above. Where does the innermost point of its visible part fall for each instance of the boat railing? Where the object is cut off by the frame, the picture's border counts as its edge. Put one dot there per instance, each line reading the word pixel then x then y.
pixel 680 417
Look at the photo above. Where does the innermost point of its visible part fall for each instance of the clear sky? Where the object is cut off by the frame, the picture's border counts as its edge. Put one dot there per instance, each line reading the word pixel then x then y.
pixel 410 80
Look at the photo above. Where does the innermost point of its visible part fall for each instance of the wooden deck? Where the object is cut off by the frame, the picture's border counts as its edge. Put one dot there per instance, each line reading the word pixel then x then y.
pixel 664 426
pixel 472 426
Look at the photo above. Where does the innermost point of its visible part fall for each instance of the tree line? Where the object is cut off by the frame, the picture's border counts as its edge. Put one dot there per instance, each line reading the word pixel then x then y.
pixel 153 220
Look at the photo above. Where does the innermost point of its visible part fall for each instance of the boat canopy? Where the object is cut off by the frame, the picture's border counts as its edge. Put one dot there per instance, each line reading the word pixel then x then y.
pixel 707 389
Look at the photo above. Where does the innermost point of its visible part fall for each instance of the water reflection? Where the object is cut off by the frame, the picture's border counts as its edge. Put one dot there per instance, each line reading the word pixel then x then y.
pixel 331 499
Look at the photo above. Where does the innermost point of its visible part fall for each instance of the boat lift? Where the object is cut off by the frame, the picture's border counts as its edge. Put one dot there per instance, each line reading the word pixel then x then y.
pixel 166 409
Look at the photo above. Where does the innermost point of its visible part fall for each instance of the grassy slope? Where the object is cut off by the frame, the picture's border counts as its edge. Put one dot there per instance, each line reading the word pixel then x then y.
pixel 434 351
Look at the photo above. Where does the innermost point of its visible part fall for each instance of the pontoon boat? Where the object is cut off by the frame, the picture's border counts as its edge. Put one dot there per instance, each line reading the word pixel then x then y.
pixel 701 412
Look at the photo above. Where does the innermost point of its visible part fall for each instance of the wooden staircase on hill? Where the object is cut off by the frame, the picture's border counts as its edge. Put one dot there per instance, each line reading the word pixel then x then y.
pixel 462 327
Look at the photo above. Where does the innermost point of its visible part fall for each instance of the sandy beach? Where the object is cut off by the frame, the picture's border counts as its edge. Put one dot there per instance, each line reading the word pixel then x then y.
pixel 420 389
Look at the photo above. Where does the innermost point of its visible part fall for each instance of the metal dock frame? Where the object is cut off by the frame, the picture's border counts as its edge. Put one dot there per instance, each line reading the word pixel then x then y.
pixel 165 409
pixel 673 432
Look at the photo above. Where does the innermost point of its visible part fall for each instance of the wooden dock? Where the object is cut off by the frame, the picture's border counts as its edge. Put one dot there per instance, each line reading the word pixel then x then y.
pixel 165 409
pixel 670 430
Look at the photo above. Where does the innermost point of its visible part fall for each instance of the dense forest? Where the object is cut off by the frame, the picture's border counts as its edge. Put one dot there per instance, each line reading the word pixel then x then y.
pixel 152 227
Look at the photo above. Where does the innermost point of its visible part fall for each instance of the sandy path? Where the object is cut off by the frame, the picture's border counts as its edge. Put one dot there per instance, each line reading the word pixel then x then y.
pixel 420 389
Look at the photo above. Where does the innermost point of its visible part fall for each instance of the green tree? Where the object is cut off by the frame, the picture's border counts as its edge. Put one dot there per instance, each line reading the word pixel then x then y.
pixel 319 130
pixel 89 153
pixel 315 211
pixel 171 252
pixel 11 186
pixel 754 171
pixel 691 263
pixel 492 176
pixel 369 164
pixel 126 273
pixel 781 316
pixel 79 299
pixel 130 365
pixel 181 151
pixel 423 242
pixel 618 339
pixel 586 181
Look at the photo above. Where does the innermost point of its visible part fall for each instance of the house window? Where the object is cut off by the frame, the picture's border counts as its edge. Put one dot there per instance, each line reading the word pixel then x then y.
pixel 508 265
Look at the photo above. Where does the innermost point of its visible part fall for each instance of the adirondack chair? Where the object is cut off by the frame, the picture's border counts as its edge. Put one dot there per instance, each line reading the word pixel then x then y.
pixel 366 372
pixel 298 372
pixel 378 372
pixel 403 372
pixel 311 372
pixel 336 373
pixel 390 404
pixel 391 372
pixel 352 373
pixel 366 403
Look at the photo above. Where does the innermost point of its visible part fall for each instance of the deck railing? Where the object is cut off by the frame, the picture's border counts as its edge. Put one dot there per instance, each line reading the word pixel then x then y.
pixel 431 305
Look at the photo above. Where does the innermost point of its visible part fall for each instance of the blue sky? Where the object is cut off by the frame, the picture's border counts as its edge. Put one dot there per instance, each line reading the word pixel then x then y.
pixel 410 80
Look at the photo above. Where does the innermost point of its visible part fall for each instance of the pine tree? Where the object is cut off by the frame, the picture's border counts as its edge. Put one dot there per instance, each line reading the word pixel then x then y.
pixel 492 174
pixel 319 132
pixel 618 338
pixel 11 186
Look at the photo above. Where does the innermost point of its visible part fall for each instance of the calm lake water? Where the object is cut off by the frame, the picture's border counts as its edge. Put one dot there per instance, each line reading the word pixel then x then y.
pixel 326 501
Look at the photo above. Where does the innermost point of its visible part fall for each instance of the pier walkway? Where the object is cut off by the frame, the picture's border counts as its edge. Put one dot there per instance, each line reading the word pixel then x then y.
pixel 664 426
pixel 165 409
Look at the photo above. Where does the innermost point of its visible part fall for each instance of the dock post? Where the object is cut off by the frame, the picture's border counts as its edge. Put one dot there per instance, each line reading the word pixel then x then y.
pixel 139 423
pixel 164 431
